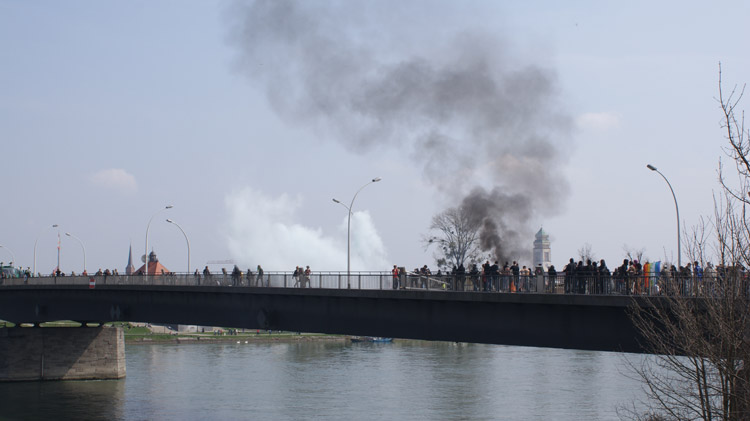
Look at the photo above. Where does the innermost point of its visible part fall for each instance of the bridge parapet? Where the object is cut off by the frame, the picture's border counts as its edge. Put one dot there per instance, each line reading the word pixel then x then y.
pixel 541 284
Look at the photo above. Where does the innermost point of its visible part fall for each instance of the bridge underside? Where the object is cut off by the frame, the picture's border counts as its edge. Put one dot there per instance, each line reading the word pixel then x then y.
pixel 557 321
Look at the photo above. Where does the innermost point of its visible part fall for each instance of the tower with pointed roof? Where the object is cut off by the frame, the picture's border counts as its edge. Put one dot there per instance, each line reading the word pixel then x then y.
pixel 542 252
pixel 129 269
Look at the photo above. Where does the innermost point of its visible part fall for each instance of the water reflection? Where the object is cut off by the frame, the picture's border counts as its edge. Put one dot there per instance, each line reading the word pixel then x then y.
pixel 405 380
pixel 63 400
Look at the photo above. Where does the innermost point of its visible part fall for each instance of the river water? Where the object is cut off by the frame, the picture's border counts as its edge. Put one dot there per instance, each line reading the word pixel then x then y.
pixel 403 380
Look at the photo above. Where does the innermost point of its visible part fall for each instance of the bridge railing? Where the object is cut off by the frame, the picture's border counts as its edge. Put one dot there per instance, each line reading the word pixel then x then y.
pixel 688 285
pixel 327 280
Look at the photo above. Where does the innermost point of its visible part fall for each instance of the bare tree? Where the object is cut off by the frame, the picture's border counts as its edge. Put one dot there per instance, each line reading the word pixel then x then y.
pixel 586 253
pixel 456 234
pixel 701 340
pixel 701 349
pixel 696 243
pixel 634 254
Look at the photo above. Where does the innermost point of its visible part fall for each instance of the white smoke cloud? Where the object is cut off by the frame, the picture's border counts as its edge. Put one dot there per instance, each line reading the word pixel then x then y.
pixel 262 230
pixel 602 121
pixel 115 178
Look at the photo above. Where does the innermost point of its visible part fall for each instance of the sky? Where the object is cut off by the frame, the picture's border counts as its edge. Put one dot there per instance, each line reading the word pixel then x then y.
pixel 250 117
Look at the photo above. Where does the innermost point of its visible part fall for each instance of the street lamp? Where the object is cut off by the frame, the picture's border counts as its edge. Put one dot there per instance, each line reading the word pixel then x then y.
pixel 145 266
pixel 82 247
pixel 13 256
pixel 679 256
pixel 348 231
pixel 186 240
pixel 35 242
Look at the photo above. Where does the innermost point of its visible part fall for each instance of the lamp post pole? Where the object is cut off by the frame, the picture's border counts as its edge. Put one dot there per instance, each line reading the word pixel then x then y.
pixel 145 263
pixel 349 231
pixel 12 256
pixel 679 255
pixel 82 247
pixel 35 243
pixel 186 240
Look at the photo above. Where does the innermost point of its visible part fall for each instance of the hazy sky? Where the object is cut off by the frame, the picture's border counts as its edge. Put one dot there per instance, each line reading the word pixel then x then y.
pixel 249 118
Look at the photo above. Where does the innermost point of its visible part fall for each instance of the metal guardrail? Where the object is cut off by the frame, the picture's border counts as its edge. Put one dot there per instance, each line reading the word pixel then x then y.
pixel 541 284
pixel 324 280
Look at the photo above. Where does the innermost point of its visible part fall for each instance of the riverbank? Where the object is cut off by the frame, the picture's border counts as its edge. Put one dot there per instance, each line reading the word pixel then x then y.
pixel 282 337
pixel 143 333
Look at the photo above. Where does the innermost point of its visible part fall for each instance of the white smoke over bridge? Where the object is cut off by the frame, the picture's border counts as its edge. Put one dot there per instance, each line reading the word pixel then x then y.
pixel 261 230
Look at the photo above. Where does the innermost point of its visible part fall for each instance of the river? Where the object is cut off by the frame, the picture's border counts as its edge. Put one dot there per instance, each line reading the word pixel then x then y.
pixel 403 380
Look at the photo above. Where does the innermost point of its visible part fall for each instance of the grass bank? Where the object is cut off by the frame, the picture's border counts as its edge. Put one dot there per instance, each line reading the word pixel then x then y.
pixel 140 333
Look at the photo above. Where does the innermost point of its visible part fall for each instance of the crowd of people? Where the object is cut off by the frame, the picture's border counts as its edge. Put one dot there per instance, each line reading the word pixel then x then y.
pixel 302 277
pixel 591 277
pixel 512 277
pixel 576 277
pixel 255 279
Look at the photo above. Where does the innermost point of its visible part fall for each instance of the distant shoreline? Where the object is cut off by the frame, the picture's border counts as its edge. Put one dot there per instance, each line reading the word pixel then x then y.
pixel 260 338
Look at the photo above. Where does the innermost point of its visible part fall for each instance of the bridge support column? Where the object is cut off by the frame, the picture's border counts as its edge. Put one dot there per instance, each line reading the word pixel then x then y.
pixel 59 353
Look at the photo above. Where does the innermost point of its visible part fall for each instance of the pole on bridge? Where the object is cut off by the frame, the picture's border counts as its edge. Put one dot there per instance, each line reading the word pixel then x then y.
pixel 679 259
pixel 349 232
pixel 82 247
pixel 145 256
pixel 186 239
pixel 35 243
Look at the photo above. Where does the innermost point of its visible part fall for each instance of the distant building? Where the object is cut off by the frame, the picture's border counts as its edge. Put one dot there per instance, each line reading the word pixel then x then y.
pixel 542 252
pixel 129 269
pixel 154 267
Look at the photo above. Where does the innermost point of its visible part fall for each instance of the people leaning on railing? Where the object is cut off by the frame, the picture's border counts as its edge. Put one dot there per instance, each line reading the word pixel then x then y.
pixel 591 278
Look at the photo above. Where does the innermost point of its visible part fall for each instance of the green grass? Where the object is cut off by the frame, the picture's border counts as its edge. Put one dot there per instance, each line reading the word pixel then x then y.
pixel 142 333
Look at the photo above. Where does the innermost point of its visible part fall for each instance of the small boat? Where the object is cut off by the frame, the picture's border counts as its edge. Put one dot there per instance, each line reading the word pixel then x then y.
pixel 378 339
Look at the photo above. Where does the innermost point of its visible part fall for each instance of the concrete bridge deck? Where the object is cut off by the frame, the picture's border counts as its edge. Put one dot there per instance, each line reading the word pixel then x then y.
pixel 591 322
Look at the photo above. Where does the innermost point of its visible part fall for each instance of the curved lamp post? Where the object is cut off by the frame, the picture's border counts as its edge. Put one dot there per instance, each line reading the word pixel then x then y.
pixel 35 242
pixel 145 263
pixel 82 247
pixel 13 256
pixel 348 231
pixel 679 259
pixel 186 240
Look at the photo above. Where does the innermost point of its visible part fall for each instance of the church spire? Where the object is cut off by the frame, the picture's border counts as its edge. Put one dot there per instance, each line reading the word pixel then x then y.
pixel 129 269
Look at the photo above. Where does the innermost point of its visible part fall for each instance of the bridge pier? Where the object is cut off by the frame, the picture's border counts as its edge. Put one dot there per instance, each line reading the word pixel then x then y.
pixel 61 353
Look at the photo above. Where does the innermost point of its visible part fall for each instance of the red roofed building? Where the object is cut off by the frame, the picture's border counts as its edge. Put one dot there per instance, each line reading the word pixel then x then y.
pixel 154 267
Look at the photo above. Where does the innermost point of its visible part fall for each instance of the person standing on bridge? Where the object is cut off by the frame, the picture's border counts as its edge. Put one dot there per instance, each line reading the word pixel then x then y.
pixel 516 271
pixel 236 273
pixel 494 276
pixel 306 277
pixel 604 278
pixel 260 275
pixel 395 273
pixel 425 278
pixel 474 274
pixel 551 279
pixel 505 286
pixel 461 281
pixel 206 274
pixel 485 275
pixel 299 278
pixel 570 271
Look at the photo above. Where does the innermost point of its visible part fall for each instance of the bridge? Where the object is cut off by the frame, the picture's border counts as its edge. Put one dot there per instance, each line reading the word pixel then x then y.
pixel 363 304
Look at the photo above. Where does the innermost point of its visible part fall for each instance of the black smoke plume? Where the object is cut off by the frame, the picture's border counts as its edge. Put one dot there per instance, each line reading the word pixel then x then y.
pixel 486 126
